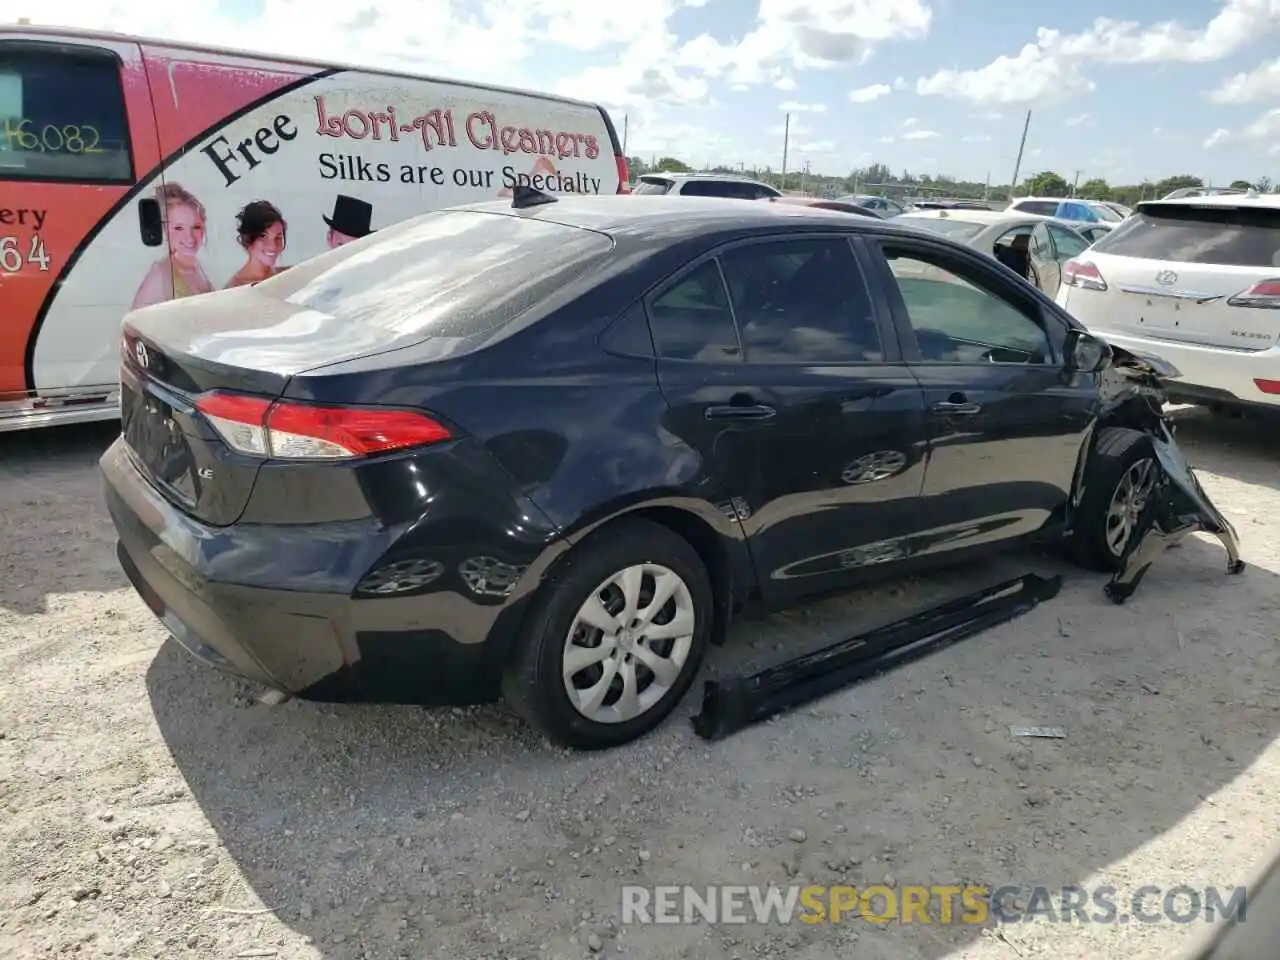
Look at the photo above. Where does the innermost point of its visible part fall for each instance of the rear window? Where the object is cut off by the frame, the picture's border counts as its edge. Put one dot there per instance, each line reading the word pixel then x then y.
pixel 62 115
pixel 958 230
pixel 446 274
pixel 731 189
pixel 651 186
pixel 1045 208
pixel 1187 233
pixel 1105 212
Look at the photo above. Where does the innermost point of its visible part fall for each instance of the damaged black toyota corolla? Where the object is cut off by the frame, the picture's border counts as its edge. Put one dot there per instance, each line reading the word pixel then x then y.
pixel 546 449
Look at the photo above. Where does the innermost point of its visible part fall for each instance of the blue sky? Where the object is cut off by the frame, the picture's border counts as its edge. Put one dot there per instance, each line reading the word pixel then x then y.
pixel 932 86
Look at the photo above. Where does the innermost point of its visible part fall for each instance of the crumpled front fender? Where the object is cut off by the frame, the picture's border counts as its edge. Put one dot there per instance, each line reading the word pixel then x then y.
pixel 1176 507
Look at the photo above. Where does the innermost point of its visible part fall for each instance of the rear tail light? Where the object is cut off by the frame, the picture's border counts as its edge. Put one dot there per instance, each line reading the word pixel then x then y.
pixel 301 431
pixel 1083 274
pixel 1264 294
pixel 624 174
pixel 1268 386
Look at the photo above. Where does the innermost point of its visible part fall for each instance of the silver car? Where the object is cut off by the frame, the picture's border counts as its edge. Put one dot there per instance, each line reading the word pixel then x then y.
pixel 1039 244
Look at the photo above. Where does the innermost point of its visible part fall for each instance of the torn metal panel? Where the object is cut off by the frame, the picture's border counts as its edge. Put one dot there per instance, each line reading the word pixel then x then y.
pixel 1176 507
pixel 730 704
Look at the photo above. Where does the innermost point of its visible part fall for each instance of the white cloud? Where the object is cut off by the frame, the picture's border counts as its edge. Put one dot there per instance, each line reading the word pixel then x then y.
pixel 1053 67
pixel 1265 127
pixel 1076 120
pixel 868 94
pixel 817 148
pixel 785 83
pixel 1218 136
pixel 886 139
pixel 791 106
pixel 804 35
pixel 1262 83
pixel 920 135
pixel 910 122
pixel 977 138
pixel 899 83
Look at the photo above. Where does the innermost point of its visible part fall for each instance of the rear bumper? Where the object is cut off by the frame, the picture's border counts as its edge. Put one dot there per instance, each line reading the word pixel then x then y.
pixel 238 599
pixel 1208 374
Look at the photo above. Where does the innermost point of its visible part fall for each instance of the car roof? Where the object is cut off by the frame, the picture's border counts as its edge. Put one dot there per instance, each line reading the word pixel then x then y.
pixel 640 215
pixel 1267 201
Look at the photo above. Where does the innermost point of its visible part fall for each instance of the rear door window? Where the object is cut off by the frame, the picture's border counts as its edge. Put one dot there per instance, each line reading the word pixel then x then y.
pixel 692 320
pixel 1187 233
pixel 802 301
pixel 451 273
pixel 62 115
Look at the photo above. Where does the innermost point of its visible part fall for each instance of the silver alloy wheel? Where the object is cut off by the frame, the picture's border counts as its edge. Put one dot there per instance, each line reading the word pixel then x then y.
pixel 629 643
pixel 1127 501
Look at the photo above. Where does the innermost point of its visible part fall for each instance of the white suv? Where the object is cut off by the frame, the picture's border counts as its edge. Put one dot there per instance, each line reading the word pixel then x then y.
pixel 1196 282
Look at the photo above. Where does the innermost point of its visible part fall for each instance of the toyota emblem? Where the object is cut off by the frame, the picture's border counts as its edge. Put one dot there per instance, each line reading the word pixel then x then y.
pixel 140 351
pixel 1166 278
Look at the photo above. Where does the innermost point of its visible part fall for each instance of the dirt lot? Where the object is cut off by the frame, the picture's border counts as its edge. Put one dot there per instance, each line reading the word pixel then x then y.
pixel 149 808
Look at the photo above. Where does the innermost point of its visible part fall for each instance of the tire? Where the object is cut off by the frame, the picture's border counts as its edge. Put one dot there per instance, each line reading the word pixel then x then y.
pixel 1117 457
pixel 533 683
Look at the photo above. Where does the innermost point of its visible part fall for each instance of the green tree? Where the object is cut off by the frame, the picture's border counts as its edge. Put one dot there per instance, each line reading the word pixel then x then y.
pixel 672 165
pixel 1169 184
pixel 1095 189
pixel 1264 185
pixel 1241 185
pixel 1046 183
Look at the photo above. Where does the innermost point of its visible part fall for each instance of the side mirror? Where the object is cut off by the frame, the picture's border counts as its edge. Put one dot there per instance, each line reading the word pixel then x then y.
pixel 1085 353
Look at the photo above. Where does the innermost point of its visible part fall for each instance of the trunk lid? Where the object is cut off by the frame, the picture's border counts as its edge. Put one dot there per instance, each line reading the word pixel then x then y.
pixel 454 278
pixel 1172 269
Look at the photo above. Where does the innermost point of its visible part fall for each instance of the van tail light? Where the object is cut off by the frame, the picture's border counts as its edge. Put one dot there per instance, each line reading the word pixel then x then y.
pixel 624 173
pixel 300 431
pixel 1083 274
pixel 1264 294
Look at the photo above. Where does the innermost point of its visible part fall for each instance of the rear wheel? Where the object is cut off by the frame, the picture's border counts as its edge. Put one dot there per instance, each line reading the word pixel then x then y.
pixel 1121 475
pixel 615 642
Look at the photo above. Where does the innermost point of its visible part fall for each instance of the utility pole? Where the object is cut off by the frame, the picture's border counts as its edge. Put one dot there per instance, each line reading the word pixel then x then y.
pixel 1017 167
pixel 804 178
pixel 1074 182
pixel 786 142
pixel 986 187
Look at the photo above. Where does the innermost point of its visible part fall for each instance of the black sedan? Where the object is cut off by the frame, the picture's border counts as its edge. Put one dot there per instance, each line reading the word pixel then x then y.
pixel 547 450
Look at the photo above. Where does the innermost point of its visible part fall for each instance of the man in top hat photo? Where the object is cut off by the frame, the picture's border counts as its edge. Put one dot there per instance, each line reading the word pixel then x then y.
pixel 350 220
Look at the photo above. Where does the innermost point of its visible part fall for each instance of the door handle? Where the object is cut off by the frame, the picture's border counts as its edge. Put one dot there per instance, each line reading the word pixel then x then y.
pixel 957 406
pixel 150 222
pixel 735 411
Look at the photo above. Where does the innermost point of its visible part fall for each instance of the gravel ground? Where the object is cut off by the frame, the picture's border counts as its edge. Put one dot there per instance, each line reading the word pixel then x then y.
pixel 151 808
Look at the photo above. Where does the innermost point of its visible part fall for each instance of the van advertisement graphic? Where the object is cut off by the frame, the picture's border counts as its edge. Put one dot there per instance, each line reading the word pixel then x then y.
pixel 301 165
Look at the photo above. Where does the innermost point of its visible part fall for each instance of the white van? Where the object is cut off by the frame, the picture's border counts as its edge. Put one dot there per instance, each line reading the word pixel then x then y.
pixel 134 171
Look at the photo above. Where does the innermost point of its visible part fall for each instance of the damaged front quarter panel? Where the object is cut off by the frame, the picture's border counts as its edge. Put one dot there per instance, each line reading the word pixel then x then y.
pixel 1132 396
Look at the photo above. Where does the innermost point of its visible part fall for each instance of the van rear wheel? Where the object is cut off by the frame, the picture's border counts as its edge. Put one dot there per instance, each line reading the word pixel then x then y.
pixel 616 641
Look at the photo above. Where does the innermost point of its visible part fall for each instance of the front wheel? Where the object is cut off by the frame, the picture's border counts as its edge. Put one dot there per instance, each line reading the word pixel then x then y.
pixel 616 641
pixel 1121 476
